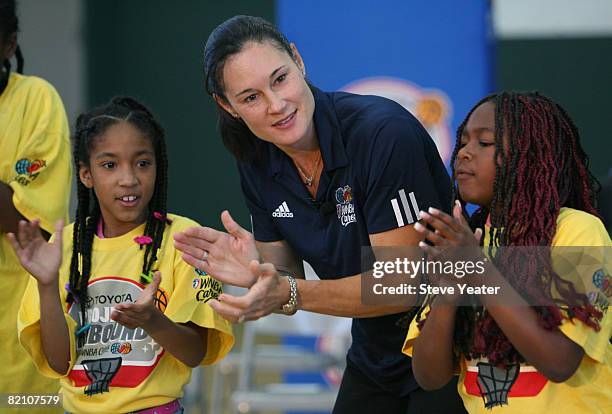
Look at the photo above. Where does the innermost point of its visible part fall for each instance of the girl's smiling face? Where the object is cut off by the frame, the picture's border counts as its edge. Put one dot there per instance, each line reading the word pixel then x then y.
pixel 122 173
pixel 475 162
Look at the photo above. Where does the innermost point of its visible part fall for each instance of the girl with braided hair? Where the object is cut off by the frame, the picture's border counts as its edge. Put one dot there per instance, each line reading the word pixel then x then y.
pixel 97 313
pixel 542 345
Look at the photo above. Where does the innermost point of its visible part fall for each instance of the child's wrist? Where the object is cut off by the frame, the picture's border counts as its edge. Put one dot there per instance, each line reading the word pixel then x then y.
pixel 52 283
pixel 446 300
pixel 154 324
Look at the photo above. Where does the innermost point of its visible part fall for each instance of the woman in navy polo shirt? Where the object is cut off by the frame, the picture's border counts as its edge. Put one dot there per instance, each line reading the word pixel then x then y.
pixel 323 174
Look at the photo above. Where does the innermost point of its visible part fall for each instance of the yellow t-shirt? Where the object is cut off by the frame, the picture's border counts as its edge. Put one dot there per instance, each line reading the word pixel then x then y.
pixel 126 370
pixel 35 162
pixel 523 389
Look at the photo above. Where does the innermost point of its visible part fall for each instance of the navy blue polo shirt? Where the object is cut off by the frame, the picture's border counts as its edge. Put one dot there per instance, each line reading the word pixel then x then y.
pixel 380 168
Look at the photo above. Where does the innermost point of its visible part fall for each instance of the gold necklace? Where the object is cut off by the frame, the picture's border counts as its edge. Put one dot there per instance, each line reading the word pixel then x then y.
pixel 308 180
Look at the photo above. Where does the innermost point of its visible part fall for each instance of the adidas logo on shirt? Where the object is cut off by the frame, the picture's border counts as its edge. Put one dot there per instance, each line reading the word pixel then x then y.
pixel 397 208
pixel 282 211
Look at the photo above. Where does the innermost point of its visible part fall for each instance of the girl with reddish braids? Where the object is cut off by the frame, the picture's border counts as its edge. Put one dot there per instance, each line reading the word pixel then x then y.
pixel 96 313
pixel 542 344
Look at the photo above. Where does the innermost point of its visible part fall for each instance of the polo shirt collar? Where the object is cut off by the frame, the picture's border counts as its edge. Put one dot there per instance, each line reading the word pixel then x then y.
pixel 328 132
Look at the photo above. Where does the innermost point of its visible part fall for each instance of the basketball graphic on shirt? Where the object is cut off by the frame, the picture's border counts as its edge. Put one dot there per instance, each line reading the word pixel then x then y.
pixel 161 300
pixel 112 354
pixel 100 372
pixel 35 166
pixel 496 384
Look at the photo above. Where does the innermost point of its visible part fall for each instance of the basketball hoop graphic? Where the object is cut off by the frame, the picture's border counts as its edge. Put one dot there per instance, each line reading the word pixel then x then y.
pixel 100 372
pixel 494 383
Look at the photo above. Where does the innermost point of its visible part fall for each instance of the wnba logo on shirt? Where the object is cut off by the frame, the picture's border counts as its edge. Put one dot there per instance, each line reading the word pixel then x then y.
pixel 207 288
pixel 345 209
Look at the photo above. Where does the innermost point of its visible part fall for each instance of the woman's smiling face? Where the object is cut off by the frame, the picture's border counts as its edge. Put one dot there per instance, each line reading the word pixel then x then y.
pixel 266 88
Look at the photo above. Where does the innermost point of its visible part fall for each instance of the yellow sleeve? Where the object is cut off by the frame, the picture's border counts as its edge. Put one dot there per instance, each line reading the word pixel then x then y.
pixel 594 343
pixel 413 333
pixel 28 329
pixel 43 172
pixel 188 303
pixel 591 276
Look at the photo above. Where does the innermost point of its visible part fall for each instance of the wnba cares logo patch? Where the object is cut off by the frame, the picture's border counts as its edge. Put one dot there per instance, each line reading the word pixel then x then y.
pixel 345 209
pixel 206 287
pixel 121 348
pixel 27 170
